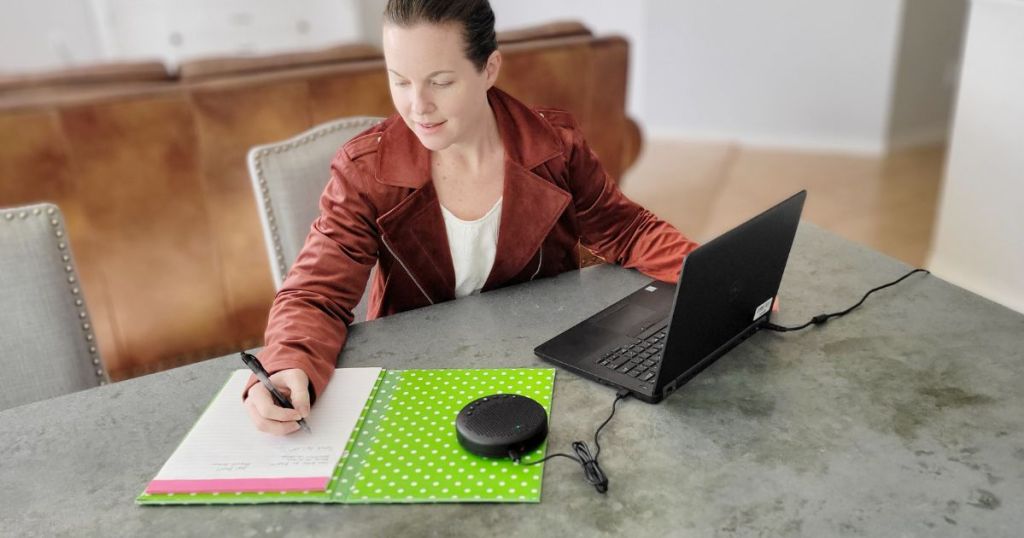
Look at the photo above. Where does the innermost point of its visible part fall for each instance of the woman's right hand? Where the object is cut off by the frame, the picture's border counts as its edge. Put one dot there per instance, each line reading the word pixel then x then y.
pixel 266 415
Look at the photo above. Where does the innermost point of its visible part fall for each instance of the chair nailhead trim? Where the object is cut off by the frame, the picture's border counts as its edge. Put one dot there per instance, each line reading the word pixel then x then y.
pixel 58 232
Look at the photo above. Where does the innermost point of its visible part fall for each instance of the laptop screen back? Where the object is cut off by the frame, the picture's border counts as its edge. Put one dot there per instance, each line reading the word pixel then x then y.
pixel 726 289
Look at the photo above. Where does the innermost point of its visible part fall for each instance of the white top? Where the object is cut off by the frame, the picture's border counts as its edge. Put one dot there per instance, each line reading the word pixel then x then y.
pixel 474 244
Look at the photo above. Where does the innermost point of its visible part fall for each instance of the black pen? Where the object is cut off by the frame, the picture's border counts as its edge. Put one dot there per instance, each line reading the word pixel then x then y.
pixel 254 364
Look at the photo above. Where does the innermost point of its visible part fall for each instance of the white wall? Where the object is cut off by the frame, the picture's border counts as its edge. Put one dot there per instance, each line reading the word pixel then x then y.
pixel 979 240
pixel 786 72
pixel 46 34
pixel 783 73
pixel 179 29
pixel 931 39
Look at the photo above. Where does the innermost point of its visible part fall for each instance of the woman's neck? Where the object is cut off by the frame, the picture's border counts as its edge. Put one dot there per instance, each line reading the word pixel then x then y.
pixel 478 148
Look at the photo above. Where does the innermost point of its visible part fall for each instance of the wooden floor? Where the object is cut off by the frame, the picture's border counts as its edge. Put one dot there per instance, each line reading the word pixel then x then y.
pixel 887 203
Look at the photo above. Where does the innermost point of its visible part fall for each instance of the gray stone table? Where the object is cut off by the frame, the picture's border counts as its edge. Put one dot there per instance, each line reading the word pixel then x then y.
pixel 905 418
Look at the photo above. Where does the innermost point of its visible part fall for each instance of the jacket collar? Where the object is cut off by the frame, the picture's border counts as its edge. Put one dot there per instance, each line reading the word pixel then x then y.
pixel 402 161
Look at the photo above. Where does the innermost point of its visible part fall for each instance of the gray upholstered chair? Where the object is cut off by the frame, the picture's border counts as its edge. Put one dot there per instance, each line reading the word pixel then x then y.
pixel 47 344
pixel 288 178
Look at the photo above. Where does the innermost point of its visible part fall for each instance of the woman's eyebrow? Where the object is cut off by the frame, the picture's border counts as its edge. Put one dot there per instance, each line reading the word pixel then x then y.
pixel 435 73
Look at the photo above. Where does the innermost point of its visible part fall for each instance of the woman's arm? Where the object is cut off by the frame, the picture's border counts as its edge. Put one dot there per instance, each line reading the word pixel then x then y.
pixel 311 313
pixel 616 228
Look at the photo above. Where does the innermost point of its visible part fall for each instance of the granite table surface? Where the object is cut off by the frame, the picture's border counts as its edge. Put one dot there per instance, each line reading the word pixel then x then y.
pixel 905 418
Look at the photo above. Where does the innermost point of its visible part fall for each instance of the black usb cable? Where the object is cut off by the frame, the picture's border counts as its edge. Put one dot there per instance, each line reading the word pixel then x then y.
pixel 591 470
pixel 824 318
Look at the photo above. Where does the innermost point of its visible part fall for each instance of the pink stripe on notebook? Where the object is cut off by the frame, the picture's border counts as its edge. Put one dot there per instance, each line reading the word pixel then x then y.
pixel 316 483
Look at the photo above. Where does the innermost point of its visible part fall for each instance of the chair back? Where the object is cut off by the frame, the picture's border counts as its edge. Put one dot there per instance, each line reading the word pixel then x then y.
pixel 47 343
pixel 288 178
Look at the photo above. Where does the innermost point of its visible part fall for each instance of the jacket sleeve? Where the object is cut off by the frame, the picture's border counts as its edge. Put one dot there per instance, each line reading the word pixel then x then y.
pixel 616 228
pixel 311 313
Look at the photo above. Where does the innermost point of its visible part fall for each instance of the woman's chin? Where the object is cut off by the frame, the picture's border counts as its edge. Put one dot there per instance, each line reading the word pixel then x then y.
pixel 433 143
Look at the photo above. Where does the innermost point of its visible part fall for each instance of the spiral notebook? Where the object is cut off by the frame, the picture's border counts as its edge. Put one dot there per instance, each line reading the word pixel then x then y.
pixel 378 436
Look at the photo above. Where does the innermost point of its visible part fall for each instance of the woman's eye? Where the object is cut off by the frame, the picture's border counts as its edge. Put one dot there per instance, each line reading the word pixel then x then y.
pixel 401 83
pixel 442 84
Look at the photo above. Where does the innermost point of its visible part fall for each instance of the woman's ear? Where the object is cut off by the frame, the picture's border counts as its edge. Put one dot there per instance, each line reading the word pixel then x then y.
pixel 492 68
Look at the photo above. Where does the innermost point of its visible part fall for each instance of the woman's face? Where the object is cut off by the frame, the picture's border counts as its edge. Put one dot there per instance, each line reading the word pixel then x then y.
pixel 435 88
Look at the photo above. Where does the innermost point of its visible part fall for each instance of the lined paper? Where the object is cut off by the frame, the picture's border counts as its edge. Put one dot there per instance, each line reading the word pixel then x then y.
pixel 224 452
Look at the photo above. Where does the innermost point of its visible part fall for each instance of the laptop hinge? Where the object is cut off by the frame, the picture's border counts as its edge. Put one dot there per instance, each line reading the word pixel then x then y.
pixel 710 358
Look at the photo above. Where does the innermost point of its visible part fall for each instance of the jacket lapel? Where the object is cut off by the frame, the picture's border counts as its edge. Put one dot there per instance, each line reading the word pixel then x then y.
pixel 530 208
pixel 414 233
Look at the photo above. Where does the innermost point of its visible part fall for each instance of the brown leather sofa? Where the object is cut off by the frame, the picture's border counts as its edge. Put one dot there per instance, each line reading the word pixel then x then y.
pixel 149 169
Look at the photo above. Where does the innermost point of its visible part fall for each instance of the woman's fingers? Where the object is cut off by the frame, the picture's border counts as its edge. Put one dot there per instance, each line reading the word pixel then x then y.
pixel 270 426
pixel 271 418
pixel 261 400
pixel 297 387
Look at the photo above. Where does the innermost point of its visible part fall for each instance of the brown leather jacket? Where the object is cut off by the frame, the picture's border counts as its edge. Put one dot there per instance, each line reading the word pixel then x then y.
pixel 380 207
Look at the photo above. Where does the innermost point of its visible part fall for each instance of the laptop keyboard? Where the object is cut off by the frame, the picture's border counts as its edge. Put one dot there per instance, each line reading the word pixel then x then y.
pixel 640 359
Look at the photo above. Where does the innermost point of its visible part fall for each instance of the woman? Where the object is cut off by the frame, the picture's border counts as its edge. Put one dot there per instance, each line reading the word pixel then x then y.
pixel 464 190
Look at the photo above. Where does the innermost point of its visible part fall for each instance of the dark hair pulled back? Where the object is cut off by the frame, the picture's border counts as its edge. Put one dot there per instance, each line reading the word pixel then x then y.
pixel 474 16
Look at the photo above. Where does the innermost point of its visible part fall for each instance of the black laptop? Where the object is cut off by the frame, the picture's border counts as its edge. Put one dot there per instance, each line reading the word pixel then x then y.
pixel 660 336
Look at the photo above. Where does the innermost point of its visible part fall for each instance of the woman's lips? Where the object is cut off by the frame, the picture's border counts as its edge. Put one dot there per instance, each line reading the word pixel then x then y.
pixel 428 128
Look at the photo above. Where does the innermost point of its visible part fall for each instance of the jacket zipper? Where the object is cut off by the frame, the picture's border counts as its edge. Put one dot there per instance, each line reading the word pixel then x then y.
pixel 407 271
pixel 539 262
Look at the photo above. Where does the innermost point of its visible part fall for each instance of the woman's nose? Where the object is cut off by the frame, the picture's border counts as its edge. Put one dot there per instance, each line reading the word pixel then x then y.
pixel 422 104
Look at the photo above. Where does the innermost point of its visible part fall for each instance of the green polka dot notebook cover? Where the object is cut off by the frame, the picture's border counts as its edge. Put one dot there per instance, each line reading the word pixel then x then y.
pixel 404 447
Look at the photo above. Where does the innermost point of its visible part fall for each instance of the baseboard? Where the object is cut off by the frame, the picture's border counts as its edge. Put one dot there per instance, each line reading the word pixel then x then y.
pixel 925 136
pixel 822 144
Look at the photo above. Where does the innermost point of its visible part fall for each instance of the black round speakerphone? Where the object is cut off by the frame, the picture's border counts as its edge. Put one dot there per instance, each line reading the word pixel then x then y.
pixel 502 425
